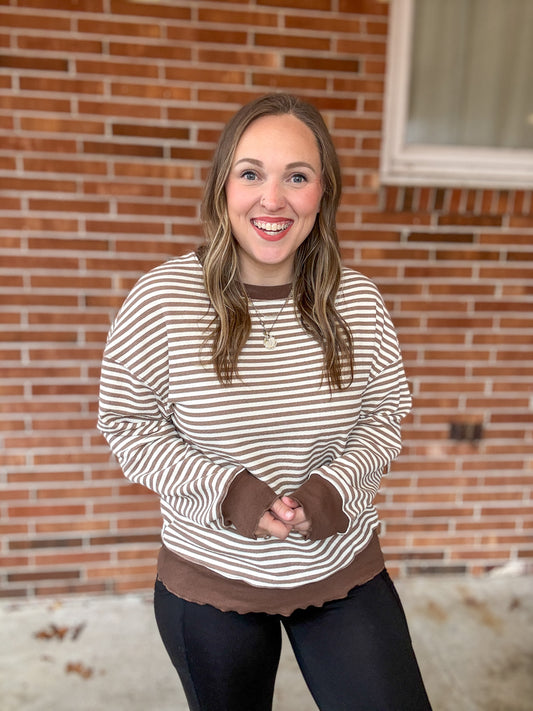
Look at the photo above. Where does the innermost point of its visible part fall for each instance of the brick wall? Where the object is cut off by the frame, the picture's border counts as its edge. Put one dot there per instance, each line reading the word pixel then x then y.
pixel 109 111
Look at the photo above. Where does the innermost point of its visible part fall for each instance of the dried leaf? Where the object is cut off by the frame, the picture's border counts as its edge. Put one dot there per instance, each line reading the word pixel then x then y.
pixel 77 631
pixel 51 632
pixel 79 668
pixel 55 632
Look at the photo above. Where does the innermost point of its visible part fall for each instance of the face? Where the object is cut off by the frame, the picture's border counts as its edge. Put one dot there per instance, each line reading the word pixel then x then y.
pixel 273 195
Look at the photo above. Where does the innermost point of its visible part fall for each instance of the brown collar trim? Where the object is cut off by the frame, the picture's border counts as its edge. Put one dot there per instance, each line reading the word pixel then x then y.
pixel 258 291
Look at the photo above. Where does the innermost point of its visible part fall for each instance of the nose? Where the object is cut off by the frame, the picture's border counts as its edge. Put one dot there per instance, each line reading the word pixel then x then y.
pixel 273 197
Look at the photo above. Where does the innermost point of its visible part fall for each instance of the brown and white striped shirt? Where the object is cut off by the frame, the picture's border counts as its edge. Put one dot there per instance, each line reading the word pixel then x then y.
pixel 177 430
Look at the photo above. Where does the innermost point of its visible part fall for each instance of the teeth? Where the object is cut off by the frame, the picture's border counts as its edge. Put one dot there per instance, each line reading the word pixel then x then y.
pixel 271 226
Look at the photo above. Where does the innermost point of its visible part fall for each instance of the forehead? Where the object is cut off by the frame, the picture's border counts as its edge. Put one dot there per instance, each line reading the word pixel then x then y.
pixel 281 136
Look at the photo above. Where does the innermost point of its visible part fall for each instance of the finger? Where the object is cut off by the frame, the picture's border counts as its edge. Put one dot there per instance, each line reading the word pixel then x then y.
pixel 301 523
pixel 289 501
pixel 279 530
pixel 299 516
pixel 271 526
pixel 281 511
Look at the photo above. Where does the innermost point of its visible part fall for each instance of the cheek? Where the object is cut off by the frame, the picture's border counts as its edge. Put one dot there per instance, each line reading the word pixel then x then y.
pixel 311 205
pixel 237 199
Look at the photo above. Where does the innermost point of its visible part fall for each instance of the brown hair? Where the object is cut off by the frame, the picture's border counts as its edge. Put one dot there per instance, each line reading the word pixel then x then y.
pixel 317 264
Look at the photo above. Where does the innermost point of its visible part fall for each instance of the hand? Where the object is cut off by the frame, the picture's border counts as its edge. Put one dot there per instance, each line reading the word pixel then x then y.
pixel 300 522
pixel 277 521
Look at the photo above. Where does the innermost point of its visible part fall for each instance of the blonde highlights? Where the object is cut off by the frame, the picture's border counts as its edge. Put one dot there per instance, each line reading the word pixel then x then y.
pixel 317 265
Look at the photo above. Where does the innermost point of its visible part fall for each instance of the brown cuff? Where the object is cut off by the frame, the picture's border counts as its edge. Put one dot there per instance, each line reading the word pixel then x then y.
pixel 246 501
pixel 322 504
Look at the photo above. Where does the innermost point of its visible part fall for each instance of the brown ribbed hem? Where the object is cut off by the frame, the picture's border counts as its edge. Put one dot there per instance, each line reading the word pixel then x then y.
pixel 197 584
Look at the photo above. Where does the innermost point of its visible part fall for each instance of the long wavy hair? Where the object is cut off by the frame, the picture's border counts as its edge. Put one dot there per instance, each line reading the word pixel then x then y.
pixel 317 263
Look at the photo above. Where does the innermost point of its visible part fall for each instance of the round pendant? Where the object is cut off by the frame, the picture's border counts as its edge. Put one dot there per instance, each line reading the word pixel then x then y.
pixel 270 342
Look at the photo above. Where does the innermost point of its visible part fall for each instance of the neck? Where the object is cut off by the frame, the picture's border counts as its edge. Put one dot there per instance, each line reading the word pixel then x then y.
pixel 264 274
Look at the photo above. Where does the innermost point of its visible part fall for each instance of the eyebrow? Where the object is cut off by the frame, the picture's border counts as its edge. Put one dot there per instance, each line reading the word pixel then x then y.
pixel 289 166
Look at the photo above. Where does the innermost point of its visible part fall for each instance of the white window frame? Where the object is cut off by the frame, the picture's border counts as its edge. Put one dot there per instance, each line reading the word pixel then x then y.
pixel 435 165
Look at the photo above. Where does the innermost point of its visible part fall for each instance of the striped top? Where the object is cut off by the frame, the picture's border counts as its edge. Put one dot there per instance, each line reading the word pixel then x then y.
pixel 177 430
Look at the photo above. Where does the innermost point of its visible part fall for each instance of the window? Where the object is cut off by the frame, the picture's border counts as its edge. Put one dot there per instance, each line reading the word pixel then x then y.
pixel 459 97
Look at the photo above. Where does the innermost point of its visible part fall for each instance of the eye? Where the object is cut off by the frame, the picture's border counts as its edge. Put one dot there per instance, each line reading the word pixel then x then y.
pixel 249 175
pixel 298 178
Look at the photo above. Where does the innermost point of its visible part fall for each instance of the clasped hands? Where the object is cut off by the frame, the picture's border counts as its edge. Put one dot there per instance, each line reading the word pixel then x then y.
pixel 285 515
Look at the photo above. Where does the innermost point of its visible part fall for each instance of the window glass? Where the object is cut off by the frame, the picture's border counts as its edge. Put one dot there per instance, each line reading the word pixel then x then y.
pixel 472 73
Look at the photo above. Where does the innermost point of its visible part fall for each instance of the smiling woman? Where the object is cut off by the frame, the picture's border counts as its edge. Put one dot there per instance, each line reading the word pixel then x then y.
pixel 257 387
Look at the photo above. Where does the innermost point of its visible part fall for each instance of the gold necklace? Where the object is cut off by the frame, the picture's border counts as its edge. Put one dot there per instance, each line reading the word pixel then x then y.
pixel 269 341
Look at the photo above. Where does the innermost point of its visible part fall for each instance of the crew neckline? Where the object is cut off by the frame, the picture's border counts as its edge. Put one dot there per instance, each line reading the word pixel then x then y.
pixel 261 291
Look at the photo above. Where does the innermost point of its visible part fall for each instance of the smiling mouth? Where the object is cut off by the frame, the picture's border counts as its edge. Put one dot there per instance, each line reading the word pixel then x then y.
pixel 271 228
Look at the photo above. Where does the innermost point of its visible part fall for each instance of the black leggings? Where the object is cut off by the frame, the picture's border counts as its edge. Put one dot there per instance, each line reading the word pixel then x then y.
pixel 355 654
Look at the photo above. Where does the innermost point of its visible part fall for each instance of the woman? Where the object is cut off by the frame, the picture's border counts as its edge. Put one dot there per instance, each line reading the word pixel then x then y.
pixel 257 387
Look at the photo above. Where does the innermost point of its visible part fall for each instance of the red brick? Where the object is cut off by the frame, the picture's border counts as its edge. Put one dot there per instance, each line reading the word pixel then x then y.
pixel 470 220
pixel 130 29
pixel 117 69
pixel 70 86
pixel 148 9
pixel 63 45
pixel 466 288
pixel 38 511
pixel 76 525
pixel 36 145
pixel 6 122
pixel 35 184
pixel 34 104
pixel 363 7
pixel 119 188
pixel 440 271
pixel 525 221
pixel 362 46
pixel 74 588
pixel 319 44
pixel 139 208
pixel 62 125
pixel 395 218
pixel 100 108
pixel 315 64
pixel 35 21
pixel 127 149
pixel 127 228
pixel 64 5
pixel 77 557
pixel 289 83
pixel 235 75
pixel 43 64
pixel 302 4
pixel 249 16
pixel 60 205
pixel 75 317
pixel 151 91
pixel 157 51
pixel 325 24
pixel 468 255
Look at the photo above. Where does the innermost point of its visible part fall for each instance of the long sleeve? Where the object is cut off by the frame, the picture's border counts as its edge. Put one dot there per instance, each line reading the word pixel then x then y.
pixel 375 440
pixel 338 492
pixel 150 450
pixel 135 415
